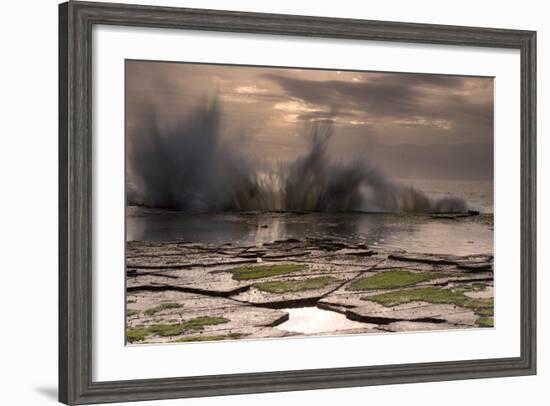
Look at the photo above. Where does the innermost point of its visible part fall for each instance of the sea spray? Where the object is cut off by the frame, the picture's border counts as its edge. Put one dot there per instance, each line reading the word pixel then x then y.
pixel 186 167
pixel 189 167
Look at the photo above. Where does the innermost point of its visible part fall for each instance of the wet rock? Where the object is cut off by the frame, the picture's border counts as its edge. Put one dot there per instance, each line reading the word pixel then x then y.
pixel 328 244
pixel 392 263
pixel 287 240
pixel 271 256
pixel 213 262
pixel 356 251
pixel 255 254
pixel 425 258
pixel 452 216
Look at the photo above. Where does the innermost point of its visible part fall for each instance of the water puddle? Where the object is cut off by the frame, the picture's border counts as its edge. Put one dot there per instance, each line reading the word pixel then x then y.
pixel 311 320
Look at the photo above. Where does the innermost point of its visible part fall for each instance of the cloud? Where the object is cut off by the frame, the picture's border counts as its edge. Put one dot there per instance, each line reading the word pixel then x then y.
pixel 405 121
pixel 443 102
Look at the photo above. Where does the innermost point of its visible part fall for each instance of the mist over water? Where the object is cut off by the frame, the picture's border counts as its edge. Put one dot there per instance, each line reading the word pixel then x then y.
pixel 189 167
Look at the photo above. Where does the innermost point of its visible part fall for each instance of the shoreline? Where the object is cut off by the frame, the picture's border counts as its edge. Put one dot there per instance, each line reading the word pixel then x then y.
pixel 184 292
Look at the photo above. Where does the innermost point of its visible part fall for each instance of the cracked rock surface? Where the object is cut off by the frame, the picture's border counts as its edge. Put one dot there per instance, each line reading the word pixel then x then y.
pixel 186 292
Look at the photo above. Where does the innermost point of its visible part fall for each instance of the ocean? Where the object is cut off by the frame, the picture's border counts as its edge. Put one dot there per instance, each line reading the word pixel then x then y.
pixel 392 231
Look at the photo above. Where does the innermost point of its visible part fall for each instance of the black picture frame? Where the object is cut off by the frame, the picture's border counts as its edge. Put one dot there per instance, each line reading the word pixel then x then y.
pixel 76 20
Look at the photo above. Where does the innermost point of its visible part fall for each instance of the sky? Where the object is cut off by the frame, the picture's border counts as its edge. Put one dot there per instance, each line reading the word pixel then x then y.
pixel 408 125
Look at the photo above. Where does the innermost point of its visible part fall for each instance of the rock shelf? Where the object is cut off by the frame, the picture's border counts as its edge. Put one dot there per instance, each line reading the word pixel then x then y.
pixel 188 292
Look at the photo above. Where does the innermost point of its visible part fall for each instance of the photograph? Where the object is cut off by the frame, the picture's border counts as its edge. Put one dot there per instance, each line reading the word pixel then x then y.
pixel 259 203
pixel 283 202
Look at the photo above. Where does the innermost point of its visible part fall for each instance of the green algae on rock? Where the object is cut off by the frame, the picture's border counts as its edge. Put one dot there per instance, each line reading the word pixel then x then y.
pixel 136 334
pixel 433 295
pixel 232 336
pixel 394 279
pixel 264 271
pixel 198 323
pixel 195 287
pixel 168 330
pixel 485 322
pixel 295 285
pixel 161 307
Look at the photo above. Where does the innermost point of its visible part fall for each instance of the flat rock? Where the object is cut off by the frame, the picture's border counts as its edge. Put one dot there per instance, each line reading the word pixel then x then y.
pixel 198 280
pixel 486 293
pixel 472 263
pixel 341 300
pixel 270 332
pixel 356 251
pixel 373 313
pixel 368 329
pixel 358 262
pixel 406 326
pixel 454 216
pixel 305 297
pixel 272 256
pixel 147 308
pixel 392 263
pixel 146 263
pixel 219 280
pixel 195 280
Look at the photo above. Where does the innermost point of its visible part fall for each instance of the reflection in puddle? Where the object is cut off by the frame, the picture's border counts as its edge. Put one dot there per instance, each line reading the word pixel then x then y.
pixel 310 320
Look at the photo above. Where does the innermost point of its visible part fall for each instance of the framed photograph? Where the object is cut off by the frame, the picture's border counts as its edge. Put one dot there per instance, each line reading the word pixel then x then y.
pixel 257 202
